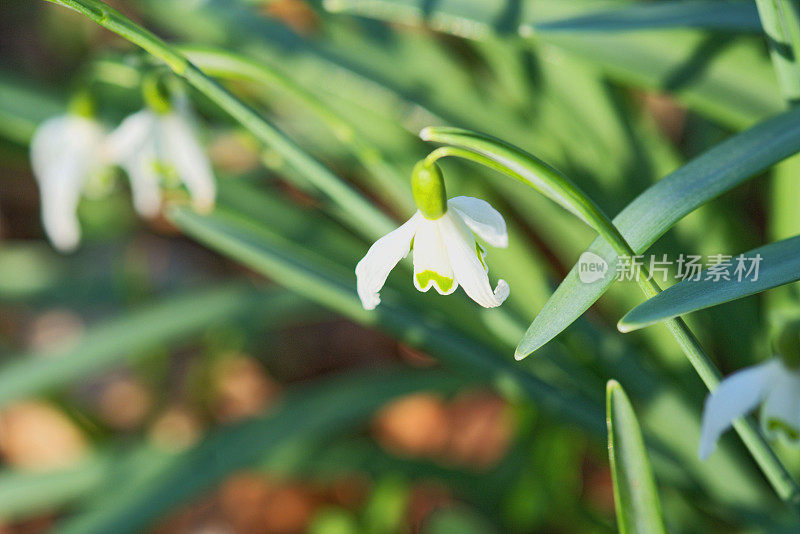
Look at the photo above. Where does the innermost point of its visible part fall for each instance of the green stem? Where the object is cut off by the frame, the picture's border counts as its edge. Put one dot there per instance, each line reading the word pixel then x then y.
pixel 780 479
pixel 351 206
pixel 579 203
pixel 781 22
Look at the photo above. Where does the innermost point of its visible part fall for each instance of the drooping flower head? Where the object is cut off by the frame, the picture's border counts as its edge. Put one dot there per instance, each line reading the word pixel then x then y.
pixel 159 142
pixel 775 384
pixel 440 234
pixel 66 152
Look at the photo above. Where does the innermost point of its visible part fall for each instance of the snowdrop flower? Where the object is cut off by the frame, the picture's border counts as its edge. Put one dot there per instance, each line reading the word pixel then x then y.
pixel 445 251
pixel 157 142
pixel 775 383
pixel 66 151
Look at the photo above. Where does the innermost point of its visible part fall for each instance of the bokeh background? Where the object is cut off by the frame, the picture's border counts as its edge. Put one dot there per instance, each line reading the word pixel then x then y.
pixel 154 383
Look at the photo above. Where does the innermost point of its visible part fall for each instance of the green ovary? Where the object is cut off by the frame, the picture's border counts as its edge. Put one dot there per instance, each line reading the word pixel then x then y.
pixel 443 283
pixel 776 424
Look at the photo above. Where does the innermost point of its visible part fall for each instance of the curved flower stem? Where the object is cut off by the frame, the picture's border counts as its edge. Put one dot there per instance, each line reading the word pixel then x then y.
pixel 579 203
pixel 353 208
pixel 783 483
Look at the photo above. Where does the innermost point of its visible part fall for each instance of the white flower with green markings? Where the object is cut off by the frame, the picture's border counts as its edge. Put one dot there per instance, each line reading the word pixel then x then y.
pixel 160 143
pixel 66 152
pixel 446 253
pixel 772 383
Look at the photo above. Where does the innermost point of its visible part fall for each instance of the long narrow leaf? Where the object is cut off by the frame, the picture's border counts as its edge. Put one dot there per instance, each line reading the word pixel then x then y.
pixel 121 339
pixel 223 64
pixel 314 411
pixel 778 264
pixel 635 496
pixel 657 209
pixel 22 107
pixel 714 74
pixel 732 15
pixel 23 494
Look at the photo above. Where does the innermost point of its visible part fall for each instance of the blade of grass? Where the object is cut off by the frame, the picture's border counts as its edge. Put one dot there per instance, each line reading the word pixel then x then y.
pixel 24 494
pixel 315 411
pixel 730 15
pixel 224 64
pixel 779 264
pixel 781 22
pixel 122 339
pixel 635 496
pixel 715 74
pixel 30 106
pixel 658 208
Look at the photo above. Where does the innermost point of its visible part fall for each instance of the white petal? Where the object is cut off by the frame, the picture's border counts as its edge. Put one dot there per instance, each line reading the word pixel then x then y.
pixel 145 181
pixel 467 267
pixel 431 263
pixel 383 255
pixel 65 152
pixel 60 191
pixel 734 397
pixel 191 163
pixel 133 145
pixel 131 135
pixel 781 412
pixel 482 219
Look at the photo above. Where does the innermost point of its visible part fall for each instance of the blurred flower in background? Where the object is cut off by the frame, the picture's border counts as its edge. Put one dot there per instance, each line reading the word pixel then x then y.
pixel 66 152
pixel 158 144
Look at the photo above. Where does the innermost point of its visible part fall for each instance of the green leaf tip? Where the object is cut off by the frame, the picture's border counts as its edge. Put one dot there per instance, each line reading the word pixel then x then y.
pixel 626 325
pixel 636 499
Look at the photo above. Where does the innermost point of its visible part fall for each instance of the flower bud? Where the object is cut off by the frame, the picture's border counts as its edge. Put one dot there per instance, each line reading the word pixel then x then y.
pixel 427 185
pixel 786 344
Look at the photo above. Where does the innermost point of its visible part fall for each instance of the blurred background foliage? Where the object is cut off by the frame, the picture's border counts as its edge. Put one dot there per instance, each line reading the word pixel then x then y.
pixel 217 373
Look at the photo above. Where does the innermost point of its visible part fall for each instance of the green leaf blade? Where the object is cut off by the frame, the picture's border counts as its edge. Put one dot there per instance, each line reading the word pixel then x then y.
pixel 736 85
pixel 735 15
pixel 635 496
pixel 121 339
pixel 779 265
pixel 318 410
pixel 658 208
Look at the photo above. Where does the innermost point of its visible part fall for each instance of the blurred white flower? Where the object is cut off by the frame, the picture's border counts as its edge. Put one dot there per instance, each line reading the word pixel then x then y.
pixel 66 151
pixel 772 383
pixel 445 253
pixel 151 145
